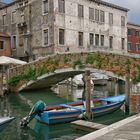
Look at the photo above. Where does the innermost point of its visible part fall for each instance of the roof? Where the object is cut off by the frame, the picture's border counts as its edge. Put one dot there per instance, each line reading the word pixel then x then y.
pixel 4 35
pixel 96 1
pixel 2 4
pixel 133 24
pixel 111 5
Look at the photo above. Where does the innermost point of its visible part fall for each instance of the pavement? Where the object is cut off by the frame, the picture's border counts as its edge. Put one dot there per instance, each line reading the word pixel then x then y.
pixel 127 129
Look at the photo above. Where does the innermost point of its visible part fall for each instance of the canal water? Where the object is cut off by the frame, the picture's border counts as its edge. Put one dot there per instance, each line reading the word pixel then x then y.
pixel 20 105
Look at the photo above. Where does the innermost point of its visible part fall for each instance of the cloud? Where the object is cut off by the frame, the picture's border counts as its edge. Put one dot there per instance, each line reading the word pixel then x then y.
pixel 132 5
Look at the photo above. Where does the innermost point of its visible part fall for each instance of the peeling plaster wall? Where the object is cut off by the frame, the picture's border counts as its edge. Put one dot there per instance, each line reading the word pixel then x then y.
pixel 73 24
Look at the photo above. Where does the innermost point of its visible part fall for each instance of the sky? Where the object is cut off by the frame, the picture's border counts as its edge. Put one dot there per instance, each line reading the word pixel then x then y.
pixel 133 5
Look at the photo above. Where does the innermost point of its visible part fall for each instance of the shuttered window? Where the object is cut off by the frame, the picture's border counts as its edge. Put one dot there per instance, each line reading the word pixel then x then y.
pixel 91 13
pixel 80 11
pixel 46 37
pixel 61 6
pixel 129 47
pixel 137 47
pixel 80 38
pixel 45 6
pixel 102 16
pixel 129 31
pixel 61 36
pixel 2 45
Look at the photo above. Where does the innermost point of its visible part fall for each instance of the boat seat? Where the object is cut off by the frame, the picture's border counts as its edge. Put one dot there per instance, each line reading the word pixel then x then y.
pixel 91 104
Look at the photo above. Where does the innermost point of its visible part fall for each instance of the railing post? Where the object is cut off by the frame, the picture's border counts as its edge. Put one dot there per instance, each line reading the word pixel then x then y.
pixel 127 89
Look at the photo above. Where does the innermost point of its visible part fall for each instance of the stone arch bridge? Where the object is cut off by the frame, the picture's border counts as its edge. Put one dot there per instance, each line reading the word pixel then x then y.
pixel 52 69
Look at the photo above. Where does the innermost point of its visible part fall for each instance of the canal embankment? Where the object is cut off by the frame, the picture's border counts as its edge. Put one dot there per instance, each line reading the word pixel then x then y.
pixel 127 129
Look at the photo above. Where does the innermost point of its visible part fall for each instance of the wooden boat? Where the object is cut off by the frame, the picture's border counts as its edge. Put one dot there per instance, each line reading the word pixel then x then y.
pixel 71 111
pixel 5 121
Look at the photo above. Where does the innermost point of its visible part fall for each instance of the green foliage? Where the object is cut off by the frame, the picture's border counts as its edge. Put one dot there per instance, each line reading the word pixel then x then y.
pixel 29 74
pixel 90 59
pixel 137 77
pixel 66 59
pixel 14 80
pixel 78 63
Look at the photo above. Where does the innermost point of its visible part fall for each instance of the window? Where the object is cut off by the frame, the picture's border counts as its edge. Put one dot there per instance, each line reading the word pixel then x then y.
pixel 61 6
pixel 80 38
pixel 96 15
pixel 22 18
pixel 110 18
pixel 4 19
pixel 13 18
pixel 137 33
pixel 129 31
pixel 137 47
pixel 129 47
pixel 80 11
pixel 2 45
pixel 61 36
pixel 46 37
pixel 45 6
pixel 123 41
pixel 97 40
pixel 122 21
pixel 102 40
pixel 102 16
pixel 13 42
pixel 111 42
pixel 91 38
pixel 91 13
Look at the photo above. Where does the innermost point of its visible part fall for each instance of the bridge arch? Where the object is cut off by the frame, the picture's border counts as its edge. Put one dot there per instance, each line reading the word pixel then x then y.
pixel 52 69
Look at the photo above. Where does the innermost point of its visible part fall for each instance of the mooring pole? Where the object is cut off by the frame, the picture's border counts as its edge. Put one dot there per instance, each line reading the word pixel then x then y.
pixel 88 94
pixel 127 89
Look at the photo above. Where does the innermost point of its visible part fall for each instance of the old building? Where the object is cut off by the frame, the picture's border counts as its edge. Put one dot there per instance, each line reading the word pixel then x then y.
pixel 5 48
pixel 133 38
pixel 42 27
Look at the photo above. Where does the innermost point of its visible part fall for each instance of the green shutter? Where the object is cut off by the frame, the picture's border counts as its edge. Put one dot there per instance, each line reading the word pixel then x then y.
pixel 129 31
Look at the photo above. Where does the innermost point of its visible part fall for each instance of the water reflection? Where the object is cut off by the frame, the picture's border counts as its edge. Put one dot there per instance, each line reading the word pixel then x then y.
pixel 20 105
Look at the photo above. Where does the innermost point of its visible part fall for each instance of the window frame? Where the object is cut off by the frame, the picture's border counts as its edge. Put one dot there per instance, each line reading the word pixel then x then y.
pixel 45 9
pixel 138 46
pixel 59 6
pixel 91 14
pixel 2 45
pixel 110 18
pixel 80 14
pixel 44 44
pixel 123 22
pixel 97 44
pixel 62 44
pixel 91 42
pixel 102 40
pixel 80 37
pixel 111 42
pixel 102 16
pixel 128 47
pixel 97 15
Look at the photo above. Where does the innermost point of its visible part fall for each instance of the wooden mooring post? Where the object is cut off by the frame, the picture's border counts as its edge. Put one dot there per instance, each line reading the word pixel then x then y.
pixel 127 90
pixel 88 94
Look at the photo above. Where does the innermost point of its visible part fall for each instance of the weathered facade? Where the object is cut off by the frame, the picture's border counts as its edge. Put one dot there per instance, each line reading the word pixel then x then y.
pixel 133 38
pixel 42 27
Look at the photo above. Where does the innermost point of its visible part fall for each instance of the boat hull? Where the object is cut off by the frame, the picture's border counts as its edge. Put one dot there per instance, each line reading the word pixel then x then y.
pixel 72 113
pixel 4 122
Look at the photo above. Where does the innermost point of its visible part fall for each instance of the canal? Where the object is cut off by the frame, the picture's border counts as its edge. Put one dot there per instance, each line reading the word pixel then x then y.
pixel 20 105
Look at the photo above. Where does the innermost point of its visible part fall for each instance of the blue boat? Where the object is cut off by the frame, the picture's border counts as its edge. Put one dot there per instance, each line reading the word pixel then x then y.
pixel 72 111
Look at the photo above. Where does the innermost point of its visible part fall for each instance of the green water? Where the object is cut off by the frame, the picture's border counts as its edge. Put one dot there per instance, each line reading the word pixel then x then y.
pixel 20 105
